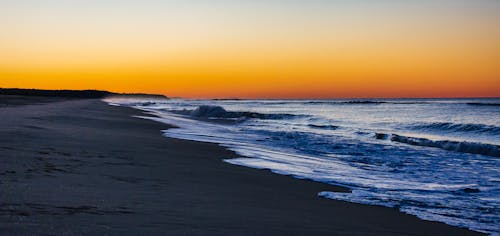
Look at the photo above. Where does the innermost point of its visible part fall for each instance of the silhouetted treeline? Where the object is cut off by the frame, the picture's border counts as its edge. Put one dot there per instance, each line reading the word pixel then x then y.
pixel 75 93
pixel 56 93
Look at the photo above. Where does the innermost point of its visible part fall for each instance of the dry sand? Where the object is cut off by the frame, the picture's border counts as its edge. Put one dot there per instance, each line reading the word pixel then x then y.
pixel 82 167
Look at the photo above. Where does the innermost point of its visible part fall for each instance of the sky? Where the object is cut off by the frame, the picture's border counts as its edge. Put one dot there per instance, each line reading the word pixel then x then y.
pixel 254 48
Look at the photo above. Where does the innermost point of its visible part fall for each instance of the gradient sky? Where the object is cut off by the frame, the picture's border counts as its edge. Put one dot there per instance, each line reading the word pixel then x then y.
pixel 254 48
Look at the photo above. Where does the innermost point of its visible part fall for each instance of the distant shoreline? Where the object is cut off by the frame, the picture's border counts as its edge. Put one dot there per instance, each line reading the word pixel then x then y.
pixel 90 93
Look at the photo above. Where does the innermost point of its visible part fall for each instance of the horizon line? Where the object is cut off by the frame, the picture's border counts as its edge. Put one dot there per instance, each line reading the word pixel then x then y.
pixel 262 98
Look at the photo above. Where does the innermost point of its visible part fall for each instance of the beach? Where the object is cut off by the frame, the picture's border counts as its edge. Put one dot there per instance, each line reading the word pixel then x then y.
pixel 83 167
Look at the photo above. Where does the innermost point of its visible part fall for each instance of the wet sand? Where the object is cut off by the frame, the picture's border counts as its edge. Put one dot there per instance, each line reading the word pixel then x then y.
pixel 82 167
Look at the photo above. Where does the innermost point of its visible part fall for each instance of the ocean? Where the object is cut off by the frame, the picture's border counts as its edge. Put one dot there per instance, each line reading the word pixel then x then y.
pixel 437 159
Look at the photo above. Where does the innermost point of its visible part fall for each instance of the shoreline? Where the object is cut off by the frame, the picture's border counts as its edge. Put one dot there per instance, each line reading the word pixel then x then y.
pixel 85 167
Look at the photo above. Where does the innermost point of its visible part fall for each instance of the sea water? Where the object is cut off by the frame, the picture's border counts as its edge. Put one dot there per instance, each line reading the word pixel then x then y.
pixel 437 159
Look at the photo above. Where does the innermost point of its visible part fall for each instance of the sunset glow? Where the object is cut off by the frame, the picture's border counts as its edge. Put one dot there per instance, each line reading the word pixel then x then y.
pixel 254 49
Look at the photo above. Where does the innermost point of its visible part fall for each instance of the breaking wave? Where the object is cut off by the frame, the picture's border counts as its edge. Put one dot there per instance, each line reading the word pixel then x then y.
pixel 453 127
pixel 208 111
pixel 457 146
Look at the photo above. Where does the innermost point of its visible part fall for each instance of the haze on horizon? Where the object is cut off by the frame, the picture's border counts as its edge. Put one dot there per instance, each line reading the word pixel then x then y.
pixel 254 48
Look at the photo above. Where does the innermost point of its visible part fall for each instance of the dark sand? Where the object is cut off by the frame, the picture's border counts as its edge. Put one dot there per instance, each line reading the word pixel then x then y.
pixel 83 167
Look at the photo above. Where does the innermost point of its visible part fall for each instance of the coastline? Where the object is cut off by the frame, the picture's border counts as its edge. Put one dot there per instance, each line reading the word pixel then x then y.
pixel 84 167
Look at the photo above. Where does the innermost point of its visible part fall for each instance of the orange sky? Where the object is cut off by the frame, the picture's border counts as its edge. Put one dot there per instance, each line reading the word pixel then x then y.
pixel 254 49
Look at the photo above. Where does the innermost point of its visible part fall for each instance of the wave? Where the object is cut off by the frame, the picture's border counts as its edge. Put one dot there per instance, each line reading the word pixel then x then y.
pixel 132 104
pixel 457 146
pixel 483 104
pixel 145 104
pixel 208 111
pixel 453 127
pixel 363 102
pixel 329 127
pixel 367 102
pixel 346 102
